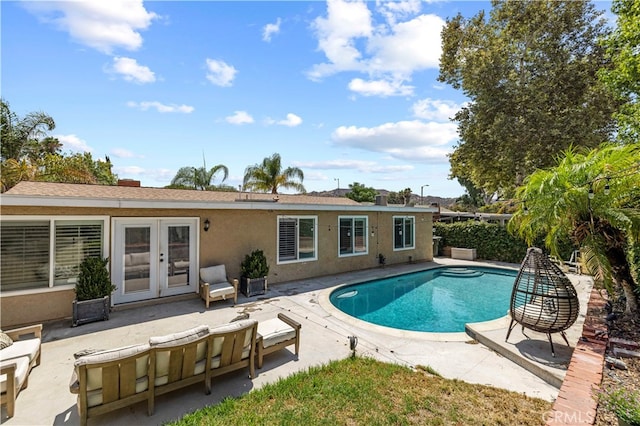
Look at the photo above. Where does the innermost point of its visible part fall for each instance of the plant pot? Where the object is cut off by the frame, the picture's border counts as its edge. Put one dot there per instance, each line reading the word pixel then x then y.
pixel 86 311
pixel 253 286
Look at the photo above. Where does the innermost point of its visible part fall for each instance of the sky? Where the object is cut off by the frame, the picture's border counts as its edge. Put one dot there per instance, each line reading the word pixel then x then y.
pixel 345 91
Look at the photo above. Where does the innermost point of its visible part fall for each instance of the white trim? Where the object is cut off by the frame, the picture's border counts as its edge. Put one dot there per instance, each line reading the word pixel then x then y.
pixel 12 293
pixel 315 239
pixel 366 235
pixel 413 231
pixel 41 201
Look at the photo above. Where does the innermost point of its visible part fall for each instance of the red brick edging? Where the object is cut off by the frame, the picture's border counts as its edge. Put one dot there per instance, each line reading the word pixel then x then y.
pixel 576 403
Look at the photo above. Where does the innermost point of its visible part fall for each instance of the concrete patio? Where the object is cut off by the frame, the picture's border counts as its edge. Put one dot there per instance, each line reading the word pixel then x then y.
pixel 325 337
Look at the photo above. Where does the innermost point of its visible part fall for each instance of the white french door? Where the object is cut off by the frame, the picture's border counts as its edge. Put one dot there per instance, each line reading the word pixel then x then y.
pixel 153 257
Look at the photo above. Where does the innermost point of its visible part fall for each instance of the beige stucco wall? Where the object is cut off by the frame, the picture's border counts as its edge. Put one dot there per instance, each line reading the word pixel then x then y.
pixel 232 235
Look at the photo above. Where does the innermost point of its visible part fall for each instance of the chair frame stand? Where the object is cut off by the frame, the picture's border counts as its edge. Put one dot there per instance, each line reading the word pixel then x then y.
pixel 543 298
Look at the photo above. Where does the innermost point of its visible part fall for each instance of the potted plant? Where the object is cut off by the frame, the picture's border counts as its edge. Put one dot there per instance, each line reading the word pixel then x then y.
pixel 93 292
pixel 254 270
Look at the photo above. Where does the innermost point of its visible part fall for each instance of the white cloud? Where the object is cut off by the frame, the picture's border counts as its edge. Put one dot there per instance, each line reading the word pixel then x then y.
pixel 435 109
pixel 292 120
pixel 381 88
pixel 73 143
pixel 388 46
pixel 239 117
pixel 132 71
pixel 129 171
pixel 101 25
pixel 270 29
pixel 357 165
pixel 160 107
pixel 337 33
pixel 124 153
pixel 220 73
pixel 406 140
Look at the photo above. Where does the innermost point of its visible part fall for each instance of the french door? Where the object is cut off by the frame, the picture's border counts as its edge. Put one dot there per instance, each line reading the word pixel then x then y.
pixel 153 257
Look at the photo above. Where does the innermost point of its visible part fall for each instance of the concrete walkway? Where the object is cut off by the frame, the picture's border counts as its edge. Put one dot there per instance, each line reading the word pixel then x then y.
pixel 325 337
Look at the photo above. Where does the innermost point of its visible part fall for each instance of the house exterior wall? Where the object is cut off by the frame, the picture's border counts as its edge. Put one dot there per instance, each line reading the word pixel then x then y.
pixel 233 234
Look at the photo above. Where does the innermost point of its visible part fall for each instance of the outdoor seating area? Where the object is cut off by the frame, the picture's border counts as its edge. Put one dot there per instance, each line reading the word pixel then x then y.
pixel 19 353
pixel 215 285
pixel 107 380
pixel 183 329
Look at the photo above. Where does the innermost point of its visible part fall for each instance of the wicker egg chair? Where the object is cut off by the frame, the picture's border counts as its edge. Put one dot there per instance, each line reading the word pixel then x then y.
pixel 543 299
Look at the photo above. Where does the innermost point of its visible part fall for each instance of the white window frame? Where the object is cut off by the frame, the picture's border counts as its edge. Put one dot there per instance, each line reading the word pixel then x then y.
pixel 296 249
pixel 353 246
pixel 52 246
pixel 413 232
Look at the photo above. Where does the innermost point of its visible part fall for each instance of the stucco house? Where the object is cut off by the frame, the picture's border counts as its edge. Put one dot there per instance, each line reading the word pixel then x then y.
pixel 157 239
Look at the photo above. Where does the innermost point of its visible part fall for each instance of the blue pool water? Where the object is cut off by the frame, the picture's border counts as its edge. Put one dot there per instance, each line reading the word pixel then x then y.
pixel 439 300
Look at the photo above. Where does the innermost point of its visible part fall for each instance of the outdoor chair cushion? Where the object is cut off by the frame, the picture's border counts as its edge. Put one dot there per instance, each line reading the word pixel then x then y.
pixel 275 331
pixel 20 348
pixel 226 328
pixel 221 290
pixel 22 369
pixel 94 375
pixel 163 358
pixel 214 274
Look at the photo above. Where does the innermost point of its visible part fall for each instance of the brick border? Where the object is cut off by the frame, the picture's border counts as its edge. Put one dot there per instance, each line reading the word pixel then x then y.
pixel 576 403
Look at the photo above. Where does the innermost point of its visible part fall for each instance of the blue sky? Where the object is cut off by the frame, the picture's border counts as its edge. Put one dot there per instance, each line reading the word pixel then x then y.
pixel 346 91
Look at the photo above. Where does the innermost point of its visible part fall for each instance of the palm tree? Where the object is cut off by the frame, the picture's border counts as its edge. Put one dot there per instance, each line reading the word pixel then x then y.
pixel 198 178
pixel 593 198
pixel 19 133
pixel 269 176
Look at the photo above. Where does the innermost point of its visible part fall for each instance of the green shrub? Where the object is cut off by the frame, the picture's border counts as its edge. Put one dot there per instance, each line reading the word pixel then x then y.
pixel 491 241
pixel 254 265
pixel 93 280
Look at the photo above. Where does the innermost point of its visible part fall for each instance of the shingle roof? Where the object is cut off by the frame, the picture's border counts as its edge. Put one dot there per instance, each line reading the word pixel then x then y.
pixel 105 192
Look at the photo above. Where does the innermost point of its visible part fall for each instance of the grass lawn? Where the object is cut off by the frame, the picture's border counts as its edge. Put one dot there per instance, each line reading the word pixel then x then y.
pixel 363 391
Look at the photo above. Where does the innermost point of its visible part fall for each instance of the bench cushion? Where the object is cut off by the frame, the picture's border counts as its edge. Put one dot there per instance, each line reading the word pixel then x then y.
pixel 20 348
pixel 94 375
pixel 275 331
pixel 171 340
pixel 22 369
pixel 228 328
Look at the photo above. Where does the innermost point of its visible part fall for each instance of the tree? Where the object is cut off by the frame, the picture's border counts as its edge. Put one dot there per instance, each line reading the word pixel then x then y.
pixel 360 193
pixel 19 135
pixel 530 72
pixel 623 77
pixel 75 168
pixel 198 178
pixel 268 176
pixel 593 198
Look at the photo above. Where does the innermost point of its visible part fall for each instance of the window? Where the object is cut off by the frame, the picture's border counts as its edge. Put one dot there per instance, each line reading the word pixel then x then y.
pixel 403 232
pixel 43 254
pixel 352 238
pixel 297 239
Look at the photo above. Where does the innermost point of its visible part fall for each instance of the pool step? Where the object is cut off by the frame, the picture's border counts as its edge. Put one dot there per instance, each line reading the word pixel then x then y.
pixel 461 273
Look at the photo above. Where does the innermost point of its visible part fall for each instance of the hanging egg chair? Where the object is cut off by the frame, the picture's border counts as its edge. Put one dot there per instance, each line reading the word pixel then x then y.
pixel 543 299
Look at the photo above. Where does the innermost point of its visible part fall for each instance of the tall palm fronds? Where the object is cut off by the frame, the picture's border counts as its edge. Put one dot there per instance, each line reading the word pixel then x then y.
pixel 199 178
pixel 269 176
pixel 594 199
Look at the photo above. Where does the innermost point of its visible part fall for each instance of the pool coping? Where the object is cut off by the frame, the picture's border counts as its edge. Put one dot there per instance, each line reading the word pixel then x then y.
pixel 462 336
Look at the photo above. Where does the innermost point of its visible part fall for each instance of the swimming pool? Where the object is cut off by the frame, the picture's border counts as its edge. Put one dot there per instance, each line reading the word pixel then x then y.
pixel 440 300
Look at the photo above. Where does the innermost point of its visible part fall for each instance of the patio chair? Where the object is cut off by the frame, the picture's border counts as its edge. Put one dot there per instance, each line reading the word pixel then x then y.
pixel 215 285
pixel 543 299
pixel 276 334
pixel 19 354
